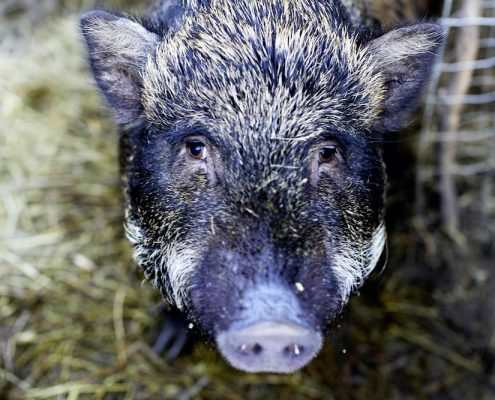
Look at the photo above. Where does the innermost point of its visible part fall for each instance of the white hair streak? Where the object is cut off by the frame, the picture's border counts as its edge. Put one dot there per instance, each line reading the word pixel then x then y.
pixel 352 266
pixel 175 260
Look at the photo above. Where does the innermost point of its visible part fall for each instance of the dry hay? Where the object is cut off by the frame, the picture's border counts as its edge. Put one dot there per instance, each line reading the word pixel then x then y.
pixel 73 315
pixel 75 319
pixel 77 322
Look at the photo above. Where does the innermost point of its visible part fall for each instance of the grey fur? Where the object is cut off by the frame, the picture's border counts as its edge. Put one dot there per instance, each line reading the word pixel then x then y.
pixel 264 87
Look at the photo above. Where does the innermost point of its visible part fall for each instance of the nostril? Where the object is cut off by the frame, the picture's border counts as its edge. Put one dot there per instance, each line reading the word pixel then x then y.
pixel 294 350
pixel 250 349
pixel 257 349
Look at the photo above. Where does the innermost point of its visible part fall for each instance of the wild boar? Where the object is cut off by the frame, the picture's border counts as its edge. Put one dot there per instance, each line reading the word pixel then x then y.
pixel 251 159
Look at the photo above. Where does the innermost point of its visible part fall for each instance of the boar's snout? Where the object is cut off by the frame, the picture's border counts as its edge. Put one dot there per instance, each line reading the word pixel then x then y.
pixel 271 334
pixel 269 346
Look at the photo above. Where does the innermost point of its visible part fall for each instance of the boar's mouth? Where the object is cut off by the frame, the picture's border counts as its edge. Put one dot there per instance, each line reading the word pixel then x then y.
pixel 266 310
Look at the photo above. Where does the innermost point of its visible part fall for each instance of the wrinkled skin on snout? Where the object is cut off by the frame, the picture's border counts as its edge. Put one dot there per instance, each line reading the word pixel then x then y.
pixel 252 163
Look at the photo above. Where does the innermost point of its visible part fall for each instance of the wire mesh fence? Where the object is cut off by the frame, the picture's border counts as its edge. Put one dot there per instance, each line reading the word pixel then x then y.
pixel 456 149
pixel 455 182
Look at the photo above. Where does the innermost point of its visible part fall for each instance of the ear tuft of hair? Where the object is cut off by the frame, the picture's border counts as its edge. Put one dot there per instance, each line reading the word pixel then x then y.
pixel 404 57
pixel 118 49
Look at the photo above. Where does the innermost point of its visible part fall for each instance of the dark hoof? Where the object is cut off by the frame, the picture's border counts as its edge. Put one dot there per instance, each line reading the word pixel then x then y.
pixel 173 335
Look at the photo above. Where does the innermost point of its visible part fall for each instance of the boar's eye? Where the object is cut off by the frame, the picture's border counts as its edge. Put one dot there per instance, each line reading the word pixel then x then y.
pixel 197 150
pixel 328 153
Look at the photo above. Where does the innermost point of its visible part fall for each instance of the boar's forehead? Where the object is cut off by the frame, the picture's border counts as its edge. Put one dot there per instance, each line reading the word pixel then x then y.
pixel 263 70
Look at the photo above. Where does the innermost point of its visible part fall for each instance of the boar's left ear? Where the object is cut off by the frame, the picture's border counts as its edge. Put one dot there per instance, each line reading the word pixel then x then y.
pixel 404 57
pixel 118 49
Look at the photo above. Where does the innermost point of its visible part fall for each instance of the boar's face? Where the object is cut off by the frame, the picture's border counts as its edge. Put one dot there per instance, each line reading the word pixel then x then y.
pixel 252 173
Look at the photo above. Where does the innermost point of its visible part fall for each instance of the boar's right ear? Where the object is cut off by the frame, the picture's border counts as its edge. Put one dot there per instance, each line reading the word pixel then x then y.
pixel 404 58
pixel 118 49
